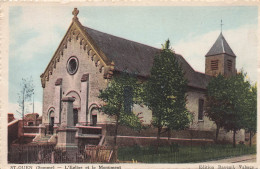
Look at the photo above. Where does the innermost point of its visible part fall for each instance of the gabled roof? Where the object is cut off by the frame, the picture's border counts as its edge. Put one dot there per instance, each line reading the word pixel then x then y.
pixel 127 55
pixel 117 54
pixel 137 58
pixel 220 47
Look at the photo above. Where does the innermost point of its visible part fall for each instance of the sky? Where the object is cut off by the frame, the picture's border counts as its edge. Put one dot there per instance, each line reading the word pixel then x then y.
pixel 36 31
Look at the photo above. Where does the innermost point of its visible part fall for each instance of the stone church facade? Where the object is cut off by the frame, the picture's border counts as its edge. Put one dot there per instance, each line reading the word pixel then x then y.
pixel 85 61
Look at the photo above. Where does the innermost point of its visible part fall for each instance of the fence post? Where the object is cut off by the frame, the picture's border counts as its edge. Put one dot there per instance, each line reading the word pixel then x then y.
pixel 114 154
pixel 52 157
pixel 39 156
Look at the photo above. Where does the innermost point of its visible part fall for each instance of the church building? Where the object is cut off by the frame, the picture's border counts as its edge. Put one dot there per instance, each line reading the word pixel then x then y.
pixel 85 61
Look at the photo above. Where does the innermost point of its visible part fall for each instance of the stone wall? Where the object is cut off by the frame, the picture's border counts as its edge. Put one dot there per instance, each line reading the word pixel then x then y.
pixel 132 141
pixel 72 83
pixel 193 97
pixel 128 136
pixel 150 131
pixel 12 131
pixel 193 106
pixel 143 113
pixel 228 136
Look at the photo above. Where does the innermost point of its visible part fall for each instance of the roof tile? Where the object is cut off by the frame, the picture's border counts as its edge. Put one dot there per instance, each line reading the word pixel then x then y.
pixel 220 47
pixel 138 58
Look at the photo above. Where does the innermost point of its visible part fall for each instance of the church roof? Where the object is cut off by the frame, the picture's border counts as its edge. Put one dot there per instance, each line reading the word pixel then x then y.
pixel 127 55
pixel 220 47
pixel 135 57
pixel 112 53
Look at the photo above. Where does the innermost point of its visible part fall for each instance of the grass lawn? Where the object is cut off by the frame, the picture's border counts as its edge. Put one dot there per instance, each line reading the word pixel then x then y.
pixel 182 154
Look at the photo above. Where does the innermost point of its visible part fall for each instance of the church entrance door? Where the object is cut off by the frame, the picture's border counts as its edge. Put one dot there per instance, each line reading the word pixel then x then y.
pixel 51 122
pixel 51 125
pixel 75 116
pixel 94 120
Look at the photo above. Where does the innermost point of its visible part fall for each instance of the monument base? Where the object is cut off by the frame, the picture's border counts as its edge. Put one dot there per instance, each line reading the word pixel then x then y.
pixel 67 143
pixel 66 138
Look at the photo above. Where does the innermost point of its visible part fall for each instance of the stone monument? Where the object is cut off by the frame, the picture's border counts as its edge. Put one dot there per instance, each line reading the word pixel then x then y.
pixel 67 131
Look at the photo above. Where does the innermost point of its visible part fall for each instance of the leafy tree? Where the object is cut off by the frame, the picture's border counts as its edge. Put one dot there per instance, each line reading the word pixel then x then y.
pixel 25 94
pixel 164 92
pixel 120 95
pixel 217 101
pixel 227 102
pixel 238 89
pixel 250 117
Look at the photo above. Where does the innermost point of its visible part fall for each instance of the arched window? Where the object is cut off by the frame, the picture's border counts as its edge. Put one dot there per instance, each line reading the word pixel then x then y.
pixel 51 121
pixel 75 116
pixel 94 114
pixel 76 105
pixel 201 113
pixel 128 99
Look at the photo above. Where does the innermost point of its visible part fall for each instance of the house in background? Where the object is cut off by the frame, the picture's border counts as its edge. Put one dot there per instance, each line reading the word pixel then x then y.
pixel 32 119
pixel 10 117
pixel 23 130
pixel 86 60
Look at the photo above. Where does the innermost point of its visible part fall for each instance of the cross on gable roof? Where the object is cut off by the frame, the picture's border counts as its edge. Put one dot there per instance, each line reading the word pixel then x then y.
pixel 220 47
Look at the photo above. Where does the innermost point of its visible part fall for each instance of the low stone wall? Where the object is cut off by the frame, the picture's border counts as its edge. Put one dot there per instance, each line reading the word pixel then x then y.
pixel 12 131
pixel 31 129
pixel 86 141
pixel 123 141
pixel 228 136
pixel 225 137
pixel 152 132
pixel 148 136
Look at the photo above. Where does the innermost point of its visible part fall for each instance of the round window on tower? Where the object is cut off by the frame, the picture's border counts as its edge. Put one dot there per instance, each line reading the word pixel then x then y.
pixel 72 65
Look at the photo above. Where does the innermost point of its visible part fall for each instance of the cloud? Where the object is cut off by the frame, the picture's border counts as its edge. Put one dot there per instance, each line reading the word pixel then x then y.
pixel 14 108
pixel 32 35
pixel 242 40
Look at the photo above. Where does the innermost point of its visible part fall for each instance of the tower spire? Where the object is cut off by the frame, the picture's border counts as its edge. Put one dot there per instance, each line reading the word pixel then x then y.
pixel 221 24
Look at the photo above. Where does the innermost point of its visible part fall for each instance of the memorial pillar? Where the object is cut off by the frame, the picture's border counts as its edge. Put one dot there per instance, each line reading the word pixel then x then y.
pixel 66 132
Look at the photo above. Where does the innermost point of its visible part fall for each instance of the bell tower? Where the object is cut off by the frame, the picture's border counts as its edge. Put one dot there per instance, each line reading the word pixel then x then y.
pixel 220 59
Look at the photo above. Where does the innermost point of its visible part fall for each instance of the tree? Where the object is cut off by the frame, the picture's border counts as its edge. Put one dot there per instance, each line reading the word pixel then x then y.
pixel 250 117
pixel 25 94
pixel 217 101
pixel 238 89
pixel 119 97
pixel 165 92
pixel 227 102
